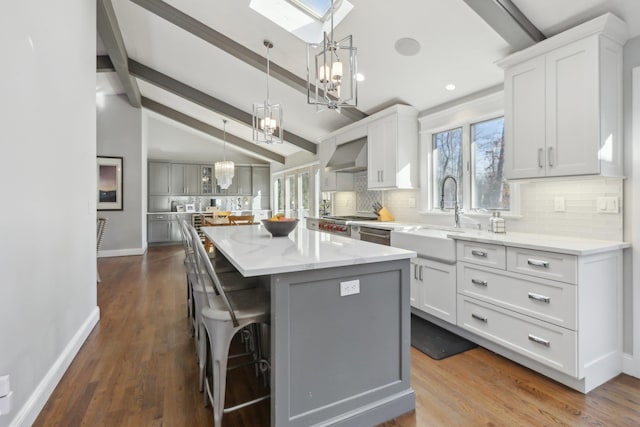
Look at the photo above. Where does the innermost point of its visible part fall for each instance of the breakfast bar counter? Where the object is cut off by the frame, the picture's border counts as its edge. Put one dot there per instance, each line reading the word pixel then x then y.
pixel 340 323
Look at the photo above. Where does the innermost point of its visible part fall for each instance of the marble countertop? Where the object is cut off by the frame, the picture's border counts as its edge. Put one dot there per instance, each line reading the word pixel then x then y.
pixel 254 252
pixel 561 244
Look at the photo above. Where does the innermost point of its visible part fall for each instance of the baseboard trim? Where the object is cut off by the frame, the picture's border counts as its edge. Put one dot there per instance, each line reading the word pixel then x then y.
pixel 121 252
pixel 27 415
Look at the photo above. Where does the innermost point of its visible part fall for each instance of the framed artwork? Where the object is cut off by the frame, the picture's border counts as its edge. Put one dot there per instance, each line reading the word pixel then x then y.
pixel 109 184
pixel 190 207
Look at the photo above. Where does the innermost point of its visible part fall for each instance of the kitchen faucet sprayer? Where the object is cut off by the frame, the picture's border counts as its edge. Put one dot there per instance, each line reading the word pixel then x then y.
pixel 456 210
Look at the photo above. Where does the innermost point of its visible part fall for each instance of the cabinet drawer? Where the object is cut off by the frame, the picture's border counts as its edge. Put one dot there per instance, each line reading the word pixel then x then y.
pixel 548 344
pixel 160 217
pixel 548 265
pixel 547 300
pixel 482 254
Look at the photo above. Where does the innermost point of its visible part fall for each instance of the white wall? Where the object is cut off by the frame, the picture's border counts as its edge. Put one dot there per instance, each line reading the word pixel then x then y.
pixel 119 134
pixel 48 254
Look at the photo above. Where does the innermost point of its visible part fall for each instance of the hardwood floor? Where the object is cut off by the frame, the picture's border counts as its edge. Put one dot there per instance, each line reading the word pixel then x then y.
pixel 138 368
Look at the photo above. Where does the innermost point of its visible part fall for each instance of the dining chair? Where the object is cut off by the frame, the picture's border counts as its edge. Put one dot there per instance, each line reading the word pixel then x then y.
pixel 223 315
pixel 240 219
pixel 100 225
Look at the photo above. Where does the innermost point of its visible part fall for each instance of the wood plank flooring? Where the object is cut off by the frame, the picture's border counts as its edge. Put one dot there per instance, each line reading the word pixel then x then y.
pixel 138 368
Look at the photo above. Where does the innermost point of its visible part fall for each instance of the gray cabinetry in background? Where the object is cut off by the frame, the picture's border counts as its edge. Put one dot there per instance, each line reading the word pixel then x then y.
pixel 159 178
pixel 158 228
pixel 261 184
pixel 243 180
pixel 184 179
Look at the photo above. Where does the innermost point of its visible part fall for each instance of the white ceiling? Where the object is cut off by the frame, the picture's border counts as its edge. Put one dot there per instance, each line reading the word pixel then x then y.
pixel 457 47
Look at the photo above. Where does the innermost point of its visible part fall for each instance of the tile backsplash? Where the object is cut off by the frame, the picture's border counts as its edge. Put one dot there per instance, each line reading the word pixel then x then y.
pixel 537 207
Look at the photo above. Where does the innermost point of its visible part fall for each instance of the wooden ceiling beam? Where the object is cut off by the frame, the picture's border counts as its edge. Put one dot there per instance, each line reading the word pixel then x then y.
pixel 109 31
pixel 222 42
pixel 210 130
pixel 196 96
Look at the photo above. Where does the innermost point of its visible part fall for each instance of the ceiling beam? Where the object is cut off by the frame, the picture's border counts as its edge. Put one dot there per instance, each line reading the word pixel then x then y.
pixel 508 21
pixel 209 130
pixel 214 104
pixel 222 42
pixel 104 64
pixel 112 38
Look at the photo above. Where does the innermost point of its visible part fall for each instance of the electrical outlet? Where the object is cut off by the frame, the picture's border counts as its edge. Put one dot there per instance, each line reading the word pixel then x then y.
pixel 558 204
pixel 411 202
pixel 5 385
pixel 349 288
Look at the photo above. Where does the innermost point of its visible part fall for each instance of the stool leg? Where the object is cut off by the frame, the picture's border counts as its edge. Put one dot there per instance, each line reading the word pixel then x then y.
pixel 220 343
pixel 202 354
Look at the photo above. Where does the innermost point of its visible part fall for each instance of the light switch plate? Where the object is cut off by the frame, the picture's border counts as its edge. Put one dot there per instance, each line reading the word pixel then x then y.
pixel 5 385
pixel 607 205
pixel 558 204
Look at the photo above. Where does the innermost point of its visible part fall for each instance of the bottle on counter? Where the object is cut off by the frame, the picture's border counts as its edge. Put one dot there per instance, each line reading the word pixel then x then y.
pixel 499 225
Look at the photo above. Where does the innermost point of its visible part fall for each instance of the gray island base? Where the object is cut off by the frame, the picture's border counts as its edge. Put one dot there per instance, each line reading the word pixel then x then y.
pixel 335 360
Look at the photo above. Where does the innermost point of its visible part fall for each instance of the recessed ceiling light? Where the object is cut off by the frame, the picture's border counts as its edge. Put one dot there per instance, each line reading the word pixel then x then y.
pixel 360 77
pixel 450 87
pixel 407 46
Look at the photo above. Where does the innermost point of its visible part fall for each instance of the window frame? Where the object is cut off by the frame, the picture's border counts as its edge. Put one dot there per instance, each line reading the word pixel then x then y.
pixel 460 116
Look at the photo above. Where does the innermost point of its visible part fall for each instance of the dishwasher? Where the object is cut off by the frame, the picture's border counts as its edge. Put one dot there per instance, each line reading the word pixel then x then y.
pixel 375 235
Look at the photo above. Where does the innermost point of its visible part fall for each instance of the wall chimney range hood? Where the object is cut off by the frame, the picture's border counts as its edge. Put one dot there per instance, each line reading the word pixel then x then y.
pixel 349 157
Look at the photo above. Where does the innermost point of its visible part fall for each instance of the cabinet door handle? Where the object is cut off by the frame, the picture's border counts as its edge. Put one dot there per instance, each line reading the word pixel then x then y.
pixel 421 273
pixel 538 263
pixel 382 176
pixel 479 282
pixel 539 340
pixel 550 156
pixel 540 158
pixel 479 253
pixel 415 271
pixel 478 317
pixel 539 297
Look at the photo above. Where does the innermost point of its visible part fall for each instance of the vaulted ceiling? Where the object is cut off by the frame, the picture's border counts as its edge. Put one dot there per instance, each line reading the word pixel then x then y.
pixel 197 61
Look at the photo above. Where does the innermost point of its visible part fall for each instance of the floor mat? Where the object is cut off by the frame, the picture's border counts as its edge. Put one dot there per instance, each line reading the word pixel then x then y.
pixel 435 341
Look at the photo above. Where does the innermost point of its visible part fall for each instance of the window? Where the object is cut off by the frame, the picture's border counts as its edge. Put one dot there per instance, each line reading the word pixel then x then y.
pixel 318 9
pixel 296 191
pixel 473 154
pixel 489 189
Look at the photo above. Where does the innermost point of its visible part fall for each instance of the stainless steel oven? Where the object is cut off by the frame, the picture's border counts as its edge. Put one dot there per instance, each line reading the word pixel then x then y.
pixel 375 235
pixel 336 224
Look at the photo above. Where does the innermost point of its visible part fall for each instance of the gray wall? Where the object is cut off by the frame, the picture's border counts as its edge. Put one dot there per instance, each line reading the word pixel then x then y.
pixel 631 60
pixel 48 252
pixel 119 134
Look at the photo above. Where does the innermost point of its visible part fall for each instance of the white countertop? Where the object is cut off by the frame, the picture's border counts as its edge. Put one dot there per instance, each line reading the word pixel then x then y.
pixel 561 244
pixel 254 252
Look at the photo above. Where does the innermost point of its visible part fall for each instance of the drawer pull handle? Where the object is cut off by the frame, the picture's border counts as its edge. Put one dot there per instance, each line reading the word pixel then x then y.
pixel 478 317
pixel 539 297
pixel 539 340
pixel 479 282
pixel 538 263
pixel 479 253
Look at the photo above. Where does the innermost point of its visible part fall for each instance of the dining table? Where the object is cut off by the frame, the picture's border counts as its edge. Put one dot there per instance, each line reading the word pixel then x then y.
pixel 340 323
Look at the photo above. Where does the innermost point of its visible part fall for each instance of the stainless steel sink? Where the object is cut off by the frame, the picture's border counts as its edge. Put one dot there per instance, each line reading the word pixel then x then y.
pixel 428 241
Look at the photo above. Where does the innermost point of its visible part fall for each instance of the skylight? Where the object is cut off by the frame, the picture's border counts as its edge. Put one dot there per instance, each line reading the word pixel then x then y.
pixel 318 9
pixel 300 17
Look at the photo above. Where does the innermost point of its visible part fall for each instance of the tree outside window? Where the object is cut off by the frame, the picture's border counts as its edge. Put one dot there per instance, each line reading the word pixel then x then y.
pixel 447 160
pixel 489 189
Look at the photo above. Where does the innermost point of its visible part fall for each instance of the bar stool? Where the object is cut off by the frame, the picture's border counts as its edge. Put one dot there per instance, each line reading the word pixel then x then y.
pixel 222 317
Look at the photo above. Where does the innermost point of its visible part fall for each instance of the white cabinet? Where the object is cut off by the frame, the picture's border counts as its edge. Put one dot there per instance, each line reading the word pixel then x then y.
pixel 560 314
pixel 332 181
pixel 392 149
pixel 563 106
pixel 433 288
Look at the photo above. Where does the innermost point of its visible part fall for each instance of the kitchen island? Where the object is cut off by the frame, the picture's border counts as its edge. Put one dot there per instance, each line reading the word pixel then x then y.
pixel 335 360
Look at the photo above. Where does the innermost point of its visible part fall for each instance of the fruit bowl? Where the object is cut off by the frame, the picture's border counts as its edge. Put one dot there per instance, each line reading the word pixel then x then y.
pixel 281 227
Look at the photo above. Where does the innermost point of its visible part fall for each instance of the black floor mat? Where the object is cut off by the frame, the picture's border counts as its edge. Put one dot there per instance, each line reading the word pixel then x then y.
pixel 435 341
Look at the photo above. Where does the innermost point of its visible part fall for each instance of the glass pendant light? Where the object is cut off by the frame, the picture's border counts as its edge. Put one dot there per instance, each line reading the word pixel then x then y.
pixel 224 170
pixel 267 117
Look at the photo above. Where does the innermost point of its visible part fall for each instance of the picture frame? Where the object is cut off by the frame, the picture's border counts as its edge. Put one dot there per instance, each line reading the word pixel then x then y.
pixel 180 208
pixel 190 207
pixel 109 183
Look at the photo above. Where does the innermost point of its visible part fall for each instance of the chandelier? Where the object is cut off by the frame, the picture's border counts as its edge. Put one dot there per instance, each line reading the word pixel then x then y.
pixel 332 71
pixel 224 170
pixel 267 117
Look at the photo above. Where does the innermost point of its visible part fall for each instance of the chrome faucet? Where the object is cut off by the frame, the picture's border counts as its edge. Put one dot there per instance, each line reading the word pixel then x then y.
pixel 456 209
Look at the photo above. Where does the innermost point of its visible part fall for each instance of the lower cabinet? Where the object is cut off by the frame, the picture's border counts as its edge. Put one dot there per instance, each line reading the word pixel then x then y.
pixel 553 310
pixel 165 228
pixel 433 288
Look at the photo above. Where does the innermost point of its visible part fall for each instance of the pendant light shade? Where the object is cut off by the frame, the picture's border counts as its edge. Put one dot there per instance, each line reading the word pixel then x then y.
pixel 332 67
pixel 224 170
pixel 267 117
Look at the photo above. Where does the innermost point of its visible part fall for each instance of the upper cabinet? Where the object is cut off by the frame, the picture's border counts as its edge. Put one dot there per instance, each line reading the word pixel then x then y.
pixel 185 179
pixel 563 104
pixel 159 178
pixel 392 149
